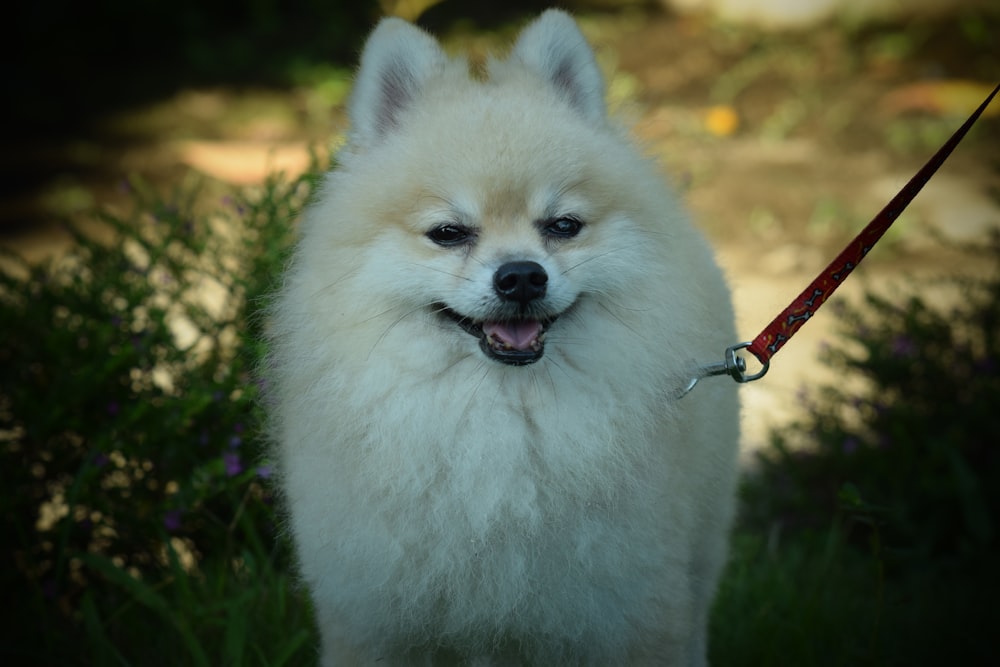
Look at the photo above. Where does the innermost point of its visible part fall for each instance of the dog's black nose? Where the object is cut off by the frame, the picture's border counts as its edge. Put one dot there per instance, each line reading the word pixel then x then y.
pixel 520 281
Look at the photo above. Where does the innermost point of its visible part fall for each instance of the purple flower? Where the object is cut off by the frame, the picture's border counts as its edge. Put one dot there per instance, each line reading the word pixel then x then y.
pixel 232 203
pixel 172 520
pixel 232 463
pixel 235 440
pixel 265 471
pixel 850 445
pixel 985 365
pixel 903 346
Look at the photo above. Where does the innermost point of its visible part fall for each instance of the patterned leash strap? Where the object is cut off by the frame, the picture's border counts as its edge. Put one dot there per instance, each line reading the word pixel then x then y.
pixel 804 306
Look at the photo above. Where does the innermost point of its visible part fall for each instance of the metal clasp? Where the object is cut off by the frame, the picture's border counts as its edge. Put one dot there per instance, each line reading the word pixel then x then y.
pixel 734 366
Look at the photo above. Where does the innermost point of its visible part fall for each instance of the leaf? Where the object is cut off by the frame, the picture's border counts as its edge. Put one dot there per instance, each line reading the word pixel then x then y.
pixel 149 598
pixel 850 496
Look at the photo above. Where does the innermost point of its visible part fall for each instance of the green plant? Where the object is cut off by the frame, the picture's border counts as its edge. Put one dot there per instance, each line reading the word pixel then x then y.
pixel 918 441
pixel 134 482
pixel 881 504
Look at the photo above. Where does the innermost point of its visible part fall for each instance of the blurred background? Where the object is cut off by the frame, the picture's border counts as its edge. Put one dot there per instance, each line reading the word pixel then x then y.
pixel 786 124
pixel 154 156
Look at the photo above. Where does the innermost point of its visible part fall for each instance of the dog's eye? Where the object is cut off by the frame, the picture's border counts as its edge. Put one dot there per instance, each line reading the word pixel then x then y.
pixel 565 227
pixel 449 235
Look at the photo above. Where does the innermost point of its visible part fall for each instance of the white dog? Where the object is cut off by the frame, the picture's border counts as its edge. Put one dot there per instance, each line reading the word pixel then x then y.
pixel 476 355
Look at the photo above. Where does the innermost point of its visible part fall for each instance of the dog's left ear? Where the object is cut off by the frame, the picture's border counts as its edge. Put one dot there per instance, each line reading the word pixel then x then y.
pixel 554 47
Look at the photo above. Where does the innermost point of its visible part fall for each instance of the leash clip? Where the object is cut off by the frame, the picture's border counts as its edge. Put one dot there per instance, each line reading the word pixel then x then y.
pixel 732 365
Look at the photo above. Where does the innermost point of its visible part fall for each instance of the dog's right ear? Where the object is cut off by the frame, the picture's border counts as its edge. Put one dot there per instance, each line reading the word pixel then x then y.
pixel 397 59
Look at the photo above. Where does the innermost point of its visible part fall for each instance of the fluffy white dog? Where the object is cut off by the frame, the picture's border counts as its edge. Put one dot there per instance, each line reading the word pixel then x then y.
pixel 476 353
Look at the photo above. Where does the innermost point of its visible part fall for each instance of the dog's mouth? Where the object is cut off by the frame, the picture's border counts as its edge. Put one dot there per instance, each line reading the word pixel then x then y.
pixel 516 341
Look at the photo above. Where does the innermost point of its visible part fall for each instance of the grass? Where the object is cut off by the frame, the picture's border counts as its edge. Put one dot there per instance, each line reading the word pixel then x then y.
pixel 137 505
pixel 790 604
pixel 817 600
pixel 245 613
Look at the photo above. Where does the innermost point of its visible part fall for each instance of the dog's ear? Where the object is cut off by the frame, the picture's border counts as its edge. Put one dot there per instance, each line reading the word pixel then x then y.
pixel 554 47
pixel 397 60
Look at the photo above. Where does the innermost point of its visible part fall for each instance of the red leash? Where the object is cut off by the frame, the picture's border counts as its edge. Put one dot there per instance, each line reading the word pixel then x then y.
pixel 804 306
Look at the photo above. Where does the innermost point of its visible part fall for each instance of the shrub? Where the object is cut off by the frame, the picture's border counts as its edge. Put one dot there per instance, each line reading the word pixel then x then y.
pixel 919 443
pixel 904 465
pixel 132 471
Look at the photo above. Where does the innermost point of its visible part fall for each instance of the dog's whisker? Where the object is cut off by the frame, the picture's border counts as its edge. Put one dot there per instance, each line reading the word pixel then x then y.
pixel 599 256
pixel 618 319
pixel 378 315
pixel 385 332
pixel 611 300
pixel 339 279
pixel 442 271
pixel 475 389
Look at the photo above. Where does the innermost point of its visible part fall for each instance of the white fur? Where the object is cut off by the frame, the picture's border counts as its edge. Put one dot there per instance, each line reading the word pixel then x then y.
pixel 447 508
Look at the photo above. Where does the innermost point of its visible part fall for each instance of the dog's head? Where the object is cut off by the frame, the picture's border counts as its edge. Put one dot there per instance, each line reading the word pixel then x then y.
pixel 502 206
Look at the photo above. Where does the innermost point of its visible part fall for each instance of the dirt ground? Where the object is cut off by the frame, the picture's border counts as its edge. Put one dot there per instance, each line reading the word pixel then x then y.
pixel 783 145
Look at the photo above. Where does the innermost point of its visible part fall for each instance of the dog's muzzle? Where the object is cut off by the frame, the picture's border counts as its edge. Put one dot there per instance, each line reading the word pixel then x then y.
pixel 515 332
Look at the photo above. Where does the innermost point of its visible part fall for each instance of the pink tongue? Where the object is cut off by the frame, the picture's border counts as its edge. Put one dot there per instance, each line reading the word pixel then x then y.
pixel 518 335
